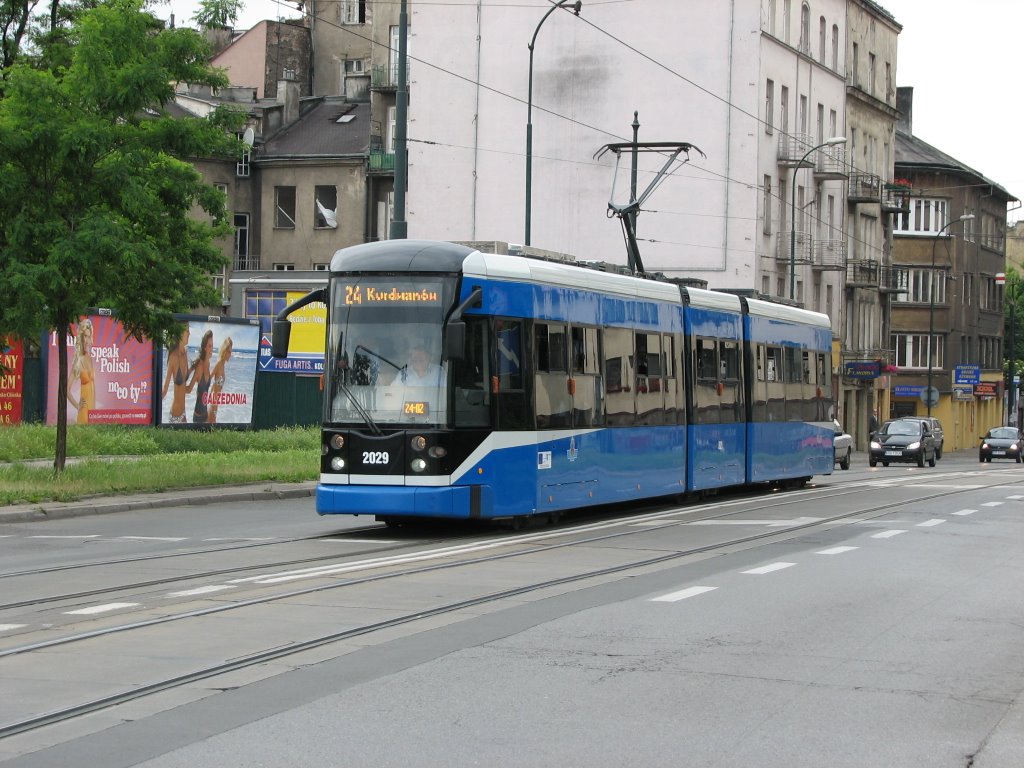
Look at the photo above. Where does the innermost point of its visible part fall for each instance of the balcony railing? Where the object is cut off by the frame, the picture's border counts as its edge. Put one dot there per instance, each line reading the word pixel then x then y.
pixel 862 274
pixel 865 188
pixel 829 254
pixel 831 163
pixel 895 198
pixel 385 77
pixel 801 251
pixel 794 146
pixel 247 262
pixel 381 161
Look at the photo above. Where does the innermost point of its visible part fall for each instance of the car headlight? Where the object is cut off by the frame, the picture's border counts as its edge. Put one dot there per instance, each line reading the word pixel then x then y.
pixel 1013 447
pixel 914 446
pixel 875 445
pixel 984 446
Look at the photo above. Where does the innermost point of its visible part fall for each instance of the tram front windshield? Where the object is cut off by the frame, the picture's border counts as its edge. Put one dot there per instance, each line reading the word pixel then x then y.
pixel 384 356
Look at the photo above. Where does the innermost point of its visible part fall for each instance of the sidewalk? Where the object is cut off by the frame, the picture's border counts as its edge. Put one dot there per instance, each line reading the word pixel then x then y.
pixel 101 505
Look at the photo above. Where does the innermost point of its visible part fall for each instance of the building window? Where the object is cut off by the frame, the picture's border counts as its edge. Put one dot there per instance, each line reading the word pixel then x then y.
pixel 871 73
pixel 771 17
pixel 767 205
pixel 780 287
pixel 926 216
pixel 321 266
pixel 241 253
pixel 786 7
pixel 220 284
pixel 283 267
pixel 822 27
pixel 910 350
pixel 355 66
pixel 352 11
pixel 784 108
pixel 919 285
pixel 769 106
pixel 766 285
pixel 888 81
pixel 325 208
pixel 783 206
pixel 242 166
pixel 854 66
pixel 835 47
pixel 991 294
pixel 284 207
pixel 805 29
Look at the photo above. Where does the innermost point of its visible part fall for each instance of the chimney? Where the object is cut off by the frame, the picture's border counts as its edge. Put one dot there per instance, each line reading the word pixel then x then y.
pixel 905 107
pixel 288 97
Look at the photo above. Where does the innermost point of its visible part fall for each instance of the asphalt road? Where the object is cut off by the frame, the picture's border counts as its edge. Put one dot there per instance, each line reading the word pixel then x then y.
pixel 873 619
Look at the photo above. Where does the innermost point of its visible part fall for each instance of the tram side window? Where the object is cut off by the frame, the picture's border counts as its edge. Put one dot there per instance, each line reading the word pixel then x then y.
pixel 794 384
pixel 707 360
pixel 470 377
pixel 706 397
pixel 674 408
pixel 554 403
pixel 775 384
pixel 618 375
pixel 729 369
pixel 508 381
pixel 759 389
pixel 585 359
pixel 650 397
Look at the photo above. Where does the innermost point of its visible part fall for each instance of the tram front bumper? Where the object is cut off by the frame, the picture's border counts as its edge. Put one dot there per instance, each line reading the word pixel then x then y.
pixel 453 502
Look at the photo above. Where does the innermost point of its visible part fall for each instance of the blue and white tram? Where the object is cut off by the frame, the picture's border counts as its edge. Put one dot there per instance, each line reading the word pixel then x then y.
pixel 467 385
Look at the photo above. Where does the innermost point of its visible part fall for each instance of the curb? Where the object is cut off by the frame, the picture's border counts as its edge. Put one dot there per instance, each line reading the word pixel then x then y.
pixel 28 513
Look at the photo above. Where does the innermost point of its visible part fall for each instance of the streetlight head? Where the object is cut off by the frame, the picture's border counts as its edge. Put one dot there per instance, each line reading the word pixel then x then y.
pixel 577 7
pixel 967 217
pixel 835 140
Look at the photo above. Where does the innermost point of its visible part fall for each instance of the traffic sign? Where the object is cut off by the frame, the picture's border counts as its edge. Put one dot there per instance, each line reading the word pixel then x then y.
pixel 1000 278
pixel 930 396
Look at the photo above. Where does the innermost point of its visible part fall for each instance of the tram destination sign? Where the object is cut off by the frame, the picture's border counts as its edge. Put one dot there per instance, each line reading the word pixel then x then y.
pixel 389 294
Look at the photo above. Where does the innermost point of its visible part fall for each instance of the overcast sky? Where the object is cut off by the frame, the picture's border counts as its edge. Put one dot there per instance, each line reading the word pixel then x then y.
pixel 962 59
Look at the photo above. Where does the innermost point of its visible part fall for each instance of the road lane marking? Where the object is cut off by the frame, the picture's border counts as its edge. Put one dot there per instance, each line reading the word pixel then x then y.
pixel 769 523
pixel 682 594
pixel 11 627
pixel 239 538
pixel 200 590
pixel 1016 496
pixel 886 534
pixel 835 551
pixel 992 504
pixel 100 609
pixel 70 536
pixel 963 512
pixel 769 568
pixel 361 541
pixel 154 538
pixel 931 523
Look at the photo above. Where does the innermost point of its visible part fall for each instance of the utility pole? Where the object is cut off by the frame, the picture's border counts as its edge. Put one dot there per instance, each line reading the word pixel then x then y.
pixel 399 226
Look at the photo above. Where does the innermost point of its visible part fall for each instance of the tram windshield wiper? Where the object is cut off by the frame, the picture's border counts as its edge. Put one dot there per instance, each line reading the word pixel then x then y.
pixel 359 407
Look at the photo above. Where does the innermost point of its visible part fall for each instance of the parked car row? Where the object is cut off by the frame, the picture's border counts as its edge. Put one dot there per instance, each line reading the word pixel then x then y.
pixel 920 439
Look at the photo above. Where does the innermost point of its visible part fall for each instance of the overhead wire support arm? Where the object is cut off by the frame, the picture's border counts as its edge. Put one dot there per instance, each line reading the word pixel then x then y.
pixel 626 212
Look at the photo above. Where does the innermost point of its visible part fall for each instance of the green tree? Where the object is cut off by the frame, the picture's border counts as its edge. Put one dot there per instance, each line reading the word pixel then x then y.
pixel 217 13
pixel 97 196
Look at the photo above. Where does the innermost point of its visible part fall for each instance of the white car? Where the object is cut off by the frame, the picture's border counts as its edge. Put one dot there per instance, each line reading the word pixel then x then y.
pixel 842 443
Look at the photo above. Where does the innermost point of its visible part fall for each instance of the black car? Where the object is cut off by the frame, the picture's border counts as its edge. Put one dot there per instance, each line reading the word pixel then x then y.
pixel 902 440
pixel 1001 443
pixel 936 427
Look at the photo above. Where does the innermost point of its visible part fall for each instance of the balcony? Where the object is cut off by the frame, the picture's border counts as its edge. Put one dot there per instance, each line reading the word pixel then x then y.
pixel 385 78
pixel 829 255
pixel 862 274
pixel 381 162
pixel 896 198
pixel 892 280
pixel 792 147
pixel 831 163
pixel 245 262
pixel 865 188
pixel 802 251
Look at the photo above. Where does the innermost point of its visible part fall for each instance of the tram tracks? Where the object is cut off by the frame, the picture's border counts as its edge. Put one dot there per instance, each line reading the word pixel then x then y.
pixel 518 546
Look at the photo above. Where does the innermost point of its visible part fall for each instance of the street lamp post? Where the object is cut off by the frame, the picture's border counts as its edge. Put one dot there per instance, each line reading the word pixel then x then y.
pixel 792 230
pixel 576 6
pixel 931 307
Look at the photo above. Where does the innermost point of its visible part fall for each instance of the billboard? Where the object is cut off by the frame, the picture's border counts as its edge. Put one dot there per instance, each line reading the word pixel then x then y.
pixel 306 343
pixel 12 363
pixel 110 374
pixel 209 375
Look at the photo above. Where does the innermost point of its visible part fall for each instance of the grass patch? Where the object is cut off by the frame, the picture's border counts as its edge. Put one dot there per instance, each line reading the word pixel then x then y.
pixel 156 460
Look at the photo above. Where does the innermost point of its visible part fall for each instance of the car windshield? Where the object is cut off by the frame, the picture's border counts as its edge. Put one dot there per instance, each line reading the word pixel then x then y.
pixel 1006 432
pixel 902 428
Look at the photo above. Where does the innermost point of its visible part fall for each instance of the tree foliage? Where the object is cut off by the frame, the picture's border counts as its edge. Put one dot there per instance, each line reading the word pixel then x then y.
pixel 97 194
pixel 217 13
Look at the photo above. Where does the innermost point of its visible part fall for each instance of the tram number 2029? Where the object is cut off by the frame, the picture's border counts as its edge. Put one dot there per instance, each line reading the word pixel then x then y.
pixel 376 457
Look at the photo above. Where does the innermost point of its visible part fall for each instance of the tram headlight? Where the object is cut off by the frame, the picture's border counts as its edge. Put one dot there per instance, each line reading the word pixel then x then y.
pixel 337 463
pixel 437 452
pixel 338 442
pixel 323 449
pixel 418 443
pixel 418 465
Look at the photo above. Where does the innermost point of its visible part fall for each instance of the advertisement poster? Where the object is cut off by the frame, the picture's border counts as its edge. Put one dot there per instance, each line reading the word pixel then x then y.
pixel 209 375
pixel 11 380
pixel 110 374
pixel 306 342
